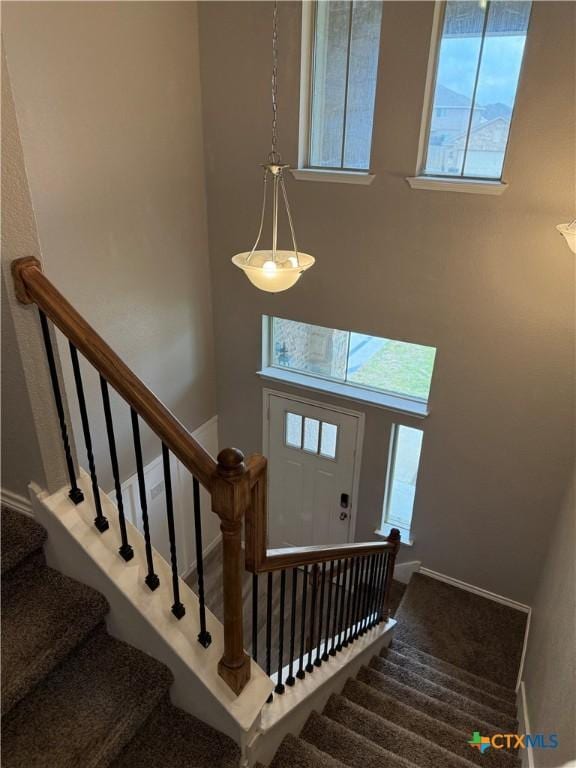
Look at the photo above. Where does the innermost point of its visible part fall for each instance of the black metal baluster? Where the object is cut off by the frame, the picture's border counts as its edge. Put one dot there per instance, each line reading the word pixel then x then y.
pixel 125 550
pixel 75 494
pixel 255 617
pixel 318 659
pixel 279 685
pixel 361 597
pixel 373 590
pixel 347 623
pixel 100 521
pixel 301 673
pixel 352 633
pixel 310 665
pixel 377 599
pixel 177 608
pixel 204 637
pixel 368 588
pixel 151 580
pixel 337 600
pixel 290 680
pixel 344 607
pixel 383 586
pixel 325 655
pixel 269 628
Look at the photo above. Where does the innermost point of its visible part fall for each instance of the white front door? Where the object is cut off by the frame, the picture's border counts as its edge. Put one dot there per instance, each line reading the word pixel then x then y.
pixel 313 452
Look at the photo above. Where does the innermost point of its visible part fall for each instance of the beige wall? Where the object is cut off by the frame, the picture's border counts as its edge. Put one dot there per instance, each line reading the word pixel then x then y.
pixel 108 102
pixel 31 448
pixel 486 280
pixel 550 670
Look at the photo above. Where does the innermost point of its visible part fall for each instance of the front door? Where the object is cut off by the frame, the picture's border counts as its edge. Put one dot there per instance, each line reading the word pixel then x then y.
pixel 313 452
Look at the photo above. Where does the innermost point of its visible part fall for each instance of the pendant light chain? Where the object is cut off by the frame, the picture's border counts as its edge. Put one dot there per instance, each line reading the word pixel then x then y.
pixel 274 156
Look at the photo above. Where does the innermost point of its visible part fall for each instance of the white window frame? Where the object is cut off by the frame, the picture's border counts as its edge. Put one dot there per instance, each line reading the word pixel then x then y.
pixel 304 172
pixel 389 401
pixel 386 524
pixel 443 183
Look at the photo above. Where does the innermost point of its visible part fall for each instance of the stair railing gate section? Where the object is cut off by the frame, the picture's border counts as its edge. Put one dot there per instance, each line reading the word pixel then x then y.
pixel 334 594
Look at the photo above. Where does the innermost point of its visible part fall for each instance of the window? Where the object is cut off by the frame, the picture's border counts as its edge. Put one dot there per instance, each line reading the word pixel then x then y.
pixel 476 79
pixel 405 449
pixel 343 61
pixel 311 435
pixel 357 360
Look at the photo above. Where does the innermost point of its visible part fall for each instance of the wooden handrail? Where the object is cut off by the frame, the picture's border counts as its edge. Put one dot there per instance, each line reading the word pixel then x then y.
pixel 32 286
pixel 260 559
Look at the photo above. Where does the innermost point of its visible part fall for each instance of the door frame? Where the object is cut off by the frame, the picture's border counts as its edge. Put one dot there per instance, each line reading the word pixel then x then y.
pixel 359 415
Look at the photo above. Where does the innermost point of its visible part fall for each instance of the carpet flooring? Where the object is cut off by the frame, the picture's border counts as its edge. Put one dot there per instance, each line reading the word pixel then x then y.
pixel 419 702
pixel 74 697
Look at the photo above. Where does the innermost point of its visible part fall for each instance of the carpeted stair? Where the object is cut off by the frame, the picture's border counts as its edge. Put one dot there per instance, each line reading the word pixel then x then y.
pixel 74 697
pixel 413 705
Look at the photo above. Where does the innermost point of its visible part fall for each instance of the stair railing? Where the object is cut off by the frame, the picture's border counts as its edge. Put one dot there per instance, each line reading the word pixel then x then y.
pixel 223 478
pixel 336 593
pixel 349 585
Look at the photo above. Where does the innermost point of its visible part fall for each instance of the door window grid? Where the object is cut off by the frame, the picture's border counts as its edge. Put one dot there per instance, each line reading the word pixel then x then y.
pixel 310 435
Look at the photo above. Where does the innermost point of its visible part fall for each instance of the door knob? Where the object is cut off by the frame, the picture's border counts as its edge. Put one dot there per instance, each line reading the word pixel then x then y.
pixel 343 515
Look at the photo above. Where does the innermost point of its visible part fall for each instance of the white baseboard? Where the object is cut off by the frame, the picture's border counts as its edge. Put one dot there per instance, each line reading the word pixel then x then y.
pixel 403 571
pixel 16 502
pixel 527 754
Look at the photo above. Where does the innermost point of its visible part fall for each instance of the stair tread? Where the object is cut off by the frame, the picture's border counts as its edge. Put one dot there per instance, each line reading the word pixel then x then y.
pixel 392 709
pixel 499 720
pixel 172 738
pixel 446 713
pixel 499 691
pixel 347 746
pixel 45 615
pixel 297 753
pixel 448 681
pixel 391 736
pixel 86 710
pixel 21 536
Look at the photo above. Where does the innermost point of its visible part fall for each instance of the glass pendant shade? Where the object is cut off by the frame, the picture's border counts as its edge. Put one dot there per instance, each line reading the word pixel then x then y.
pixel 274 270
pixel 569 232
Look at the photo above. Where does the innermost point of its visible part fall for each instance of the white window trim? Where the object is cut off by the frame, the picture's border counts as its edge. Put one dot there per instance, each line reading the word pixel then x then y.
pixel 304 172
pixel 443 183
pixel 394 403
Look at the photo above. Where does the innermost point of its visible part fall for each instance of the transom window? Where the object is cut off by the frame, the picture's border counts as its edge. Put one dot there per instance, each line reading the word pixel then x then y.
pixel 311 435
pixel 342 61
pixel 476 78
pixel 358 360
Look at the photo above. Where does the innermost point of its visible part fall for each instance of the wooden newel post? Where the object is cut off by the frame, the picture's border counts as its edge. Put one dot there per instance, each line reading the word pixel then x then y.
pixel 394 538
pixel 230 500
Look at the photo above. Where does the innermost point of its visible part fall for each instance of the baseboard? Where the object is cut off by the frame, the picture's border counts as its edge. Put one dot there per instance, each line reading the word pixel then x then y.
pixel 527 755
pixel 205 552
pixel 476 590
pixel 403 571
pixel 16 502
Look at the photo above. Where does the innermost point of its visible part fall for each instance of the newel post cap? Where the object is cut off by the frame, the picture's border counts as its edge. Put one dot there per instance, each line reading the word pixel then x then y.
pixel 18 267
pixel 231 463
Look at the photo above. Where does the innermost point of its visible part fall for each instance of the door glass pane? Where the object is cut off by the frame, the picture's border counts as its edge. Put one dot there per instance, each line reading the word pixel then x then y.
pixel 328 440
pixel 364 46
pixel 402 475
pixel 329 83
pixel 293 430
pixel 496 90
pixel 311 434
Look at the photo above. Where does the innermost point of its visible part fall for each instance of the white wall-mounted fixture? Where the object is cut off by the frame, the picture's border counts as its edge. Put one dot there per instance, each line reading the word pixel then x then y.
pixel 569 232
pixel 274 270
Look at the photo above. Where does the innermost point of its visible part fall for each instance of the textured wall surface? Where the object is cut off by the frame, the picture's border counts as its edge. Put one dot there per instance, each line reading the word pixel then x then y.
pixel 550 670
pixel 486 280
pixel 108 102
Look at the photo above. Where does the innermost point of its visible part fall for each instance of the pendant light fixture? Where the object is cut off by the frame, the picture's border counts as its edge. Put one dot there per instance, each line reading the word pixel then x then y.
pixel 274 270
